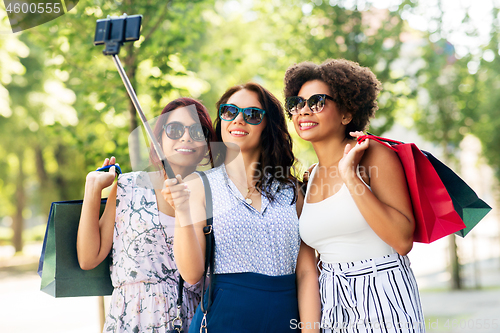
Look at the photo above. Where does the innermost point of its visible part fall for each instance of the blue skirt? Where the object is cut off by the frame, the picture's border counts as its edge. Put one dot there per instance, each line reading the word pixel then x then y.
pixel 250 302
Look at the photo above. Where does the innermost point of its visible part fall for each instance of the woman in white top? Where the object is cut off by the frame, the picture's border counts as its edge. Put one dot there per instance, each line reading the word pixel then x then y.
pixel 357 212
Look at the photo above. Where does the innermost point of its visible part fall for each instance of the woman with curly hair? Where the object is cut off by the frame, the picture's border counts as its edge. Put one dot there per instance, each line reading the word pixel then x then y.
pixel 264 277
pixel 357 212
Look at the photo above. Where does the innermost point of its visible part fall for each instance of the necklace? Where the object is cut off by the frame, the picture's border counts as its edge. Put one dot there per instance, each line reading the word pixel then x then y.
pixel 248 200
pixel 250 191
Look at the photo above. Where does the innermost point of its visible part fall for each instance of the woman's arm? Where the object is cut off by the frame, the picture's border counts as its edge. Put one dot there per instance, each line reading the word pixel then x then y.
pixel 95 236
pixel 188 200
pixel 387 207
pixel 307 282
pixel 308 289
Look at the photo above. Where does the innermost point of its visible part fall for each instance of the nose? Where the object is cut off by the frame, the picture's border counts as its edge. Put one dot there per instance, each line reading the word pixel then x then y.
pixel 239 118
pixel 305 110
pixel 186 136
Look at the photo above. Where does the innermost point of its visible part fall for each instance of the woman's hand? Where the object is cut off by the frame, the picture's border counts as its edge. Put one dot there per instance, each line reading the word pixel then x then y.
pixel 176 193
pixel 386 207
pixel 352 157
pixel 95 235
pixel 103 179
pixel 307 173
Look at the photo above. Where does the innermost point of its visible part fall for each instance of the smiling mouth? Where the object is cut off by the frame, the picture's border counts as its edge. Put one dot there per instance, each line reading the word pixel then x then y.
pixel 238 132
pixel 307 124
pixel 185 150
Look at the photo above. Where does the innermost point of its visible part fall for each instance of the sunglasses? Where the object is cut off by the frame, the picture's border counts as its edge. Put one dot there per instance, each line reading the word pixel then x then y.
pixel 252 116
pixel 175 130
pixel 316 103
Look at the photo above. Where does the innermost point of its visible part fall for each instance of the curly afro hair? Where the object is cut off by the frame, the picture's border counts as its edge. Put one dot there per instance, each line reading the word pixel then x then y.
pixel 354 88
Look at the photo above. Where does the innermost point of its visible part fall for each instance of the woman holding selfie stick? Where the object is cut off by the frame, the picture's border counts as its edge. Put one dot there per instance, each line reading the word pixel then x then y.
pixel 357 212
pixel 261 267
pixel 137 226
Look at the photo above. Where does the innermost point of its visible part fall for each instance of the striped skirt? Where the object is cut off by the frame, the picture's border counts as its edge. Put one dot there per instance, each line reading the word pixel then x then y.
pixel 374 295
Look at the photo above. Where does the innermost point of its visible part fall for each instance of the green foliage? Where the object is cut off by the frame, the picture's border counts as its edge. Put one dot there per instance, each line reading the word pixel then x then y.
pixel 487 83
pixel 101 102
pixel 457 99
pixel 443 118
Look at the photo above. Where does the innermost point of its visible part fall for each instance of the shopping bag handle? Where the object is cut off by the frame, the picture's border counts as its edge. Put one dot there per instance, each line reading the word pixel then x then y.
pixel 386 142
pixel 117 168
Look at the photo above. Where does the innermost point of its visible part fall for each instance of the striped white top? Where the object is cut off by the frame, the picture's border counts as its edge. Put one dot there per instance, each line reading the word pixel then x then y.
pixel 246 240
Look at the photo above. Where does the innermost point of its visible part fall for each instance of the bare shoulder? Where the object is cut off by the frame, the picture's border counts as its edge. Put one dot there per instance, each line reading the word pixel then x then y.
pixel 379 162
pixel 380 155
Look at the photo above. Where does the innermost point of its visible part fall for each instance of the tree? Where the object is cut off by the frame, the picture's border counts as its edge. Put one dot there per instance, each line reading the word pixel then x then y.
pixel 17 125
pixel 487 82
pixel 449 99
pixel 100 95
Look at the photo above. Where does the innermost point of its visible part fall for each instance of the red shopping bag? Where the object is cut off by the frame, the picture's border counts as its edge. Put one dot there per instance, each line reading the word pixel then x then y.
pixel 435 215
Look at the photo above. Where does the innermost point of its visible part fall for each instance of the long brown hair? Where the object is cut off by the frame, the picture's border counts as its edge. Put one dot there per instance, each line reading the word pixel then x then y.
pixel 276 158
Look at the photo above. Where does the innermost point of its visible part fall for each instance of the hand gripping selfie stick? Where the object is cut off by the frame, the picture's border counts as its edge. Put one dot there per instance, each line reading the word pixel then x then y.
pixel 113 32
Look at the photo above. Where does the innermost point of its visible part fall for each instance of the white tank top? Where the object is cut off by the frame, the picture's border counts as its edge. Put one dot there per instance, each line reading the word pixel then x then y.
pixel 337 230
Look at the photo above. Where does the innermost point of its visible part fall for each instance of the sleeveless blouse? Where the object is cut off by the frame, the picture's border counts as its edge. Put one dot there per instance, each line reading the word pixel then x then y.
pixel 337 230
pixel 246 240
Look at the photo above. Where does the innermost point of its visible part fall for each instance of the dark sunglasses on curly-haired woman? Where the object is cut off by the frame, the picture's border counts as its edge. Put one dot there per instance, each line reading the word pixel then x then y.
pixel 316 103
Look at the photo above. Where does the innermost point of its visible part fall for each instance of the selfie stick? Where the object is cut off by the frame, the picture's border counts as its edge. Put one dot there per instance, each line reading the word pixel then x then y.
pixel 112 48
pixel 149 132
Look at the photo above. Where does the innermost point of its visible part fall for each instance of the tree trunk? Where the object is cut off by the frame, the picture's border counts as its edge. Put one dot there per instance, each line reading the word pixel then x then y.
pixel 60 180
pixel 18 225
pixel 456 281
pixel 40 166
pixel 45 191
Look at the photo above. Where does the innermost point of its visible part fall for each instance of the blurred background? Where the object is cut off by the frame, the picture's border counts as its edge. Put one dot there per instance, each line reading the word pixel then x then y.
pixel 64 109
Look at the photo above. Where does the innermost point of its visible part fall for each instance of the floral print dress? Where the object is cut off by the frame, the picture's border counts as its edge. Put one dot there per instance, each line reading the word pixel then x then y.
pixel 143 270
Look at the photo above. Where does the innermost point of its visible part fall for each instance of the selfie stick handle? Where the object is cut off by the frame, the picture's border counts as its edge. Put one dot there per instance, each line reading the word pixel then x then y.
pixel 159 152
